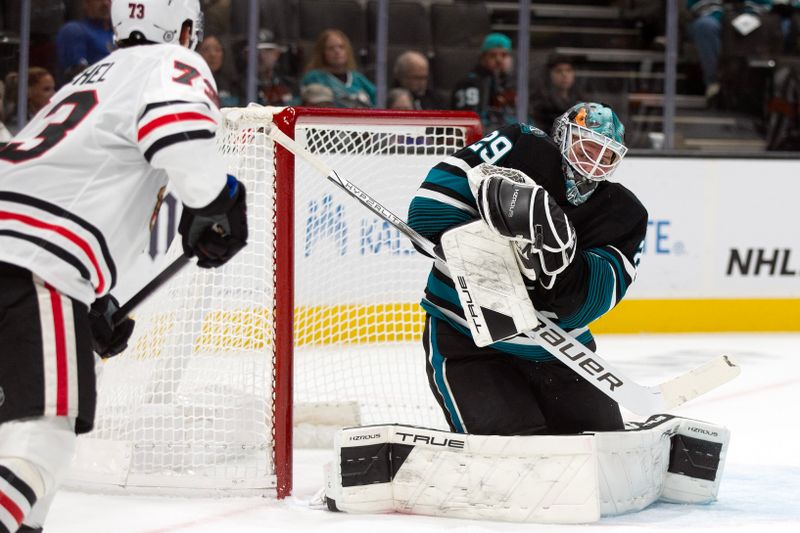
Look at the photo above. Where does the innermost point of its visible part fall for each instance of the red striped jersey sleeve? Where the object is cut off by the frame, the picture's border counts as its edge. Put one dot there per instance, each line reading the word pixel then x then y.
pixel 168 122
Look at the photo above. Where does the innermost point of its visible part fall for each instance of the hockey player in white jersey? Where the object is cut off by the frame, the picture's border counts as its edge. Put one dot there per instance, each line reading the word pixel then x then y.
pixel 80 187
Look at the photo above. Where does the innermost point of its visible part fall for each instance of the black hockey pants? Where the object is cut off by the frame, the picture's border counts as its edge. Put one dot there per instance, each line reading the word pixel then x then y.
pixel 487 392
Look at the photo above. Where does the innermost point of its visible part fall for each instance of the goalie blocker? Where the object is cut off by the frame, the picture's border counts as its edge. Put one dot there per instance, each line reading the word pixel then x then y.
pixel 547 479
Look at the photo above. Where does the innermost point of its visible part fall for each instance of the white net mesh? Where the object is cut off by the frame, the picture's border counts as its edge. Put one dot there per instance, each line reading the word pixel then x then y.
pixel 358 341
pixel 190 403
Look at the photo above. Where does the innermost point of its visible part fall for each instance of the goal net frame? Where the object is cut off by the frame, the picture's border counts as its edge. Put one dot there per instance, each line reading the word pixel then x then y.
pixel 284 167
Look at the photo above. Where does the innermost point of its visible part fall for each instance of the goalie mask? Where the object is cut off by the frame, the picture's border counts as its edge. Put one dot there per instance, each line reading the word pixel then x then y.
pixel 591 138
pixel 157 21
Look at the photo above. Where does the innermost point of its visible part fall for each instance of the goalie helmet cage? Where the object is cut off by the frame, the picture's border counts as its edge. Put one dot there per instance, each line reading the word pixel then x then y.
pixel 316 320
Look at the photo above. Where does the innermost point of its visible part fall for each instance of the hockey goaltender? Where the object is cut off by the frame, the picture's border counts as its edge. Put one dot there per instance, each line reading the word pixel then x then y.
pixel 535 436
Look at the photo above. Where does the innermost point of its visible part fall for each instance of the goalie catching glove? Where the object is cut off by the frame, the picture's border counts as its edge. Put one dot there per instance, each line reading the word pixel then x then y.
pixel 215 233
pixel 527 214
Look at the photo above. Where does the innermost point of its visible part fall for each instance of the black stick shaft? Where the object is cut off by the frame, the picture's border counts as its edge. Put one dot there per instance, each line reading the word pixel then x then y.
pixel 165 275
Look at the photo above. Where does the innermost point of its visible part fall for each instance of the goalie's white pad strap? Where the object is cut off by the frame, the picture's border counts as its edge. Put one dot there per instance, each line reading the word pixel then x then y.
pixel 552 479
pixel 490 287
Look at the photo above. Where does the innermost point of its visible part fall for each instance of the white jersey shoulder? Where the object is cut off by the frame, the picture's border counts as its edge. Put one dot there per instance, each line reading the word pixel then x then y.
pixel 79 185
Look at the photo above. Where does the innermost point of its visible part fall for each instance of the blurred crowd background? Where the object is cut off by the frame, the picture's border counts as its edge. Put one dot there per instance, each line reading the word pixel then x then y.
pixel 736 75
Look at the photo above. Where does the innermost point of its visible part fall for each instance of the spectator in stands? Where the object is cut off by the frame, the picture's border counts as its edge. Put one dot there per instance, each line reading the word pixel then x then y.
pixel 274 87
pixel 281 17
pixel 212 51
pixel 333 65
pixel 488 89
pixel 216 16
pixel 412 72
pixel 80 43
pixel 41 87
pixel 555 93
pixel 316 95
pixel 400 98
pixel 705 29
pixel 5 135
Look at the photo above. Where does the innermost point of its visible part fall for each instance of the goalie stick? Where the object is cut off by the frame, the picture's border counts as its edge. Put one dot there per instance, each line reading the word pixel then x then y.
pixel 641 399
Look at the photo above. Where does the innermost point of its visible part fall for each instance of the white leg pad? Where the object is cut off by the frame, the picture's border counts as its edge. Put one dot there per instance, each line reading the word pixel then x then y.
pixel 551 479
pixel 548 479
pixel 666 458
pixel 632 466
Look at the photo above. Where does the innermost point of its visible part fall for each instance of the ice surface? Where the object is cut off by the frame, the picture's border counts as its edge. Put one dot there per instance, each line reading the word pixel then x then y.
pixel 760 490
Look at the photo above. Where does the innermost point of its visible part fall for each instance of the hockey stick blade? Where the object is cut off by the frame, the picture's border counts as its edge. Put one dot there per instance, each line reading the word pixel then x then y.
pixel 641 399
pixel 699 381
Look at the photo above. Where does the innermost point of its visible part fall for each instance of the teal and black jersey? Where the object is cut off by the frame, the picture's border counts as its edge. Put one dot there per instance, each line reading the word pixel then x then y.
pixel 492 96
pixel 610 227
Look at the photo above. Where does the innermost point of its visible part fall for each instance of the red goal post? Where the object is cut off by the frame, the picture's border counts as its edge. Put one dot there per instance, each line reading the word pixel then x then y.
pixel 316 321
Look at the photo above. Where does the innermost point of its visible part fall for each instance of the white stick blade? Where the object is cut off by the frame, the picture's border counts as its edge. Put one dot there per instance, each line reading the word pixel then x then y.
pixel 699 381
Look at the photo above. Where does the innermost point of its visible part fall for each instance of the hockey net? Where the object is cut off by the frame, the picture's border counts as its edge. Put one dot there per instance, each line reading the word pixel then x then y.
pixel 317 319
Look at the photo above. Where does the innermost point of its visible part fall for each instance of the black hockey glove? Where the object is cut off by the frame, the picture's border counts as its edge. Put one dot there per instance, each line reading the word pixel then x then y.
pixel 218 231
pixel 524 212
pixel 108 339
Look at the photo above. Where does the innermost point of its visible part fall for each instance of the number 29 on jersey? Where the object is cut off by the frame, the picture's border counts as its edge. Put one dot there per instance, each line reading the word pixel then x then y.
pixel 492 147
